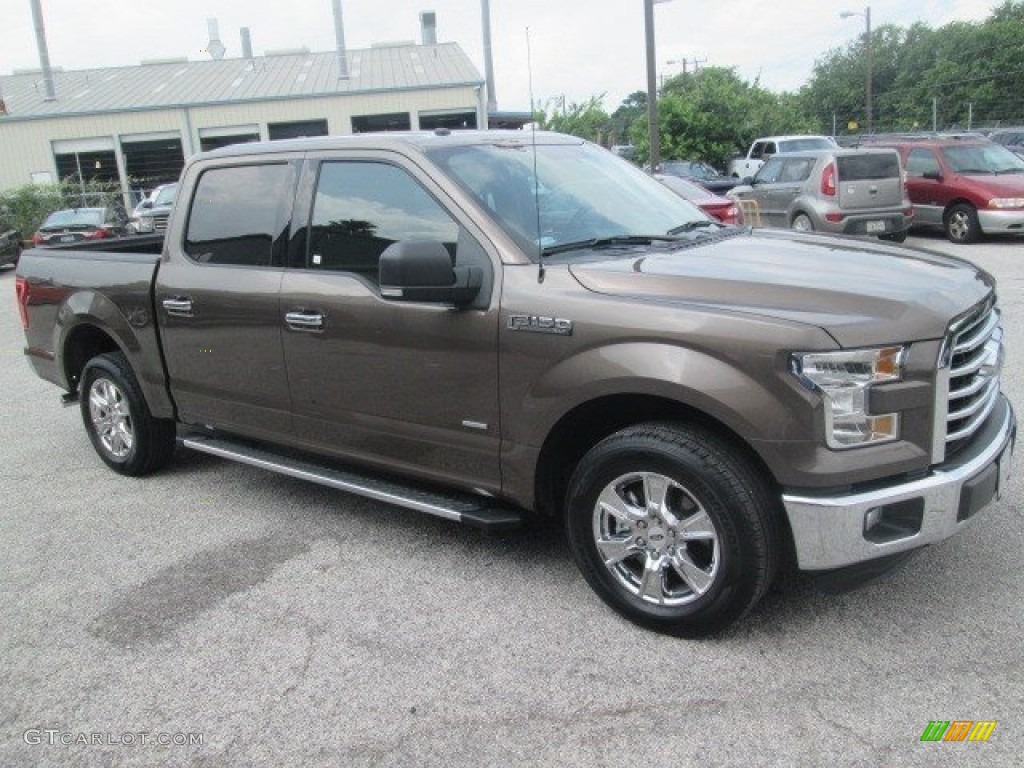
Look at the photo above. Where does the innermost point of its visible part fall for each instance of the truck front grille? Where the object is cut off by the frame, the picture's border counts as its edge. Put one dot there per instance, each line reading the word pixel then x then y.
pixel 160 221
pixel 975 354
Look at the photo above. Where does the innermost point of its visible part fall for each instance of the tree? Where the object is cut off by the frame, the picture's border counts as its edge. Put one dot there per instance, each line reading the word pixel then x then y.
pixel 587 120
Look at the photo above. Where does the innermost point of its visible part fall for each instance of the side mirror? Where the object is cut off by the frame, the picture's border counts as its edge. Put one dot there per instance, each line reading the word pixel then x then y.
pixel 933 175
pixel 147 204
pixel 421 270
pixel 746 181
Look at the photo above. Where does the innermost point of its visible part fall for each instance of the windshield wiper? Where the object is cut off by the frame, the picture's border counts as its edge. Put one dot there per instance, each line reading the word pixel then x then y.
pixel 692 225
pixel 1000 171
pixel 975 170
pixel 599 242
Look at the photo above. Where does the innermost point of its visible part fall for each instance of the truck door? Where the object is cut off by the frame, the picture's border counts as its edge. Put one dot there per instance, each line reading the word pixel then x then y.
pixel 405 385
pixel 217 297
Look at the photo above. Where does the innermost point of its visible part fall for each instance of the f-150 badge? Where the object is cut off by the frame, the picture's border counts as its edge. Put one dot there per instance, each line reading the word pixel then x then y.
pixel 538 324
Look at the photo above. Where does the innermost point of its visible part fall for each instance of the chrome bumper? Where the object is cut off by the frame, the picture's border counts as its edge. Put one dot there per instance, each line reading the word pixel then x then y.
pixel 833 531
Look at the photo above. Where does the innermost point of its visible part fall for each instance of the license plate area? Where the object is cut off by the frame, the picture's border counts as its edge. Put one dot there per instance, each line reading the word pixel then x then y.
pixel 873 227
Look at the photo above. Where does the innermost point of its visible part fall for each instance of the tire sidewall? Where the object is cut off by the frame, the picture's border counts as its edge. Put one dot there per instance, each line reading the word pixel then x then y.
pixel 708 488
pixel 973 226
pixel 104 367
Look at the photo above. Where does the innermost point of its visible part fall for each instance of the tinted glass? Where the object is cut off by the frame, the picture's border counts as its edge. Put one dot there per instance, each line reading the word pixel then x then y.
pixel 805 144
pixel 361 208
pixel 79 217
pixel 922 161
pixel 580 192
pixel 983 158
pixel 795 170
pixel 166 195
pixel 770 171
pixel 868 167
pixel 237 214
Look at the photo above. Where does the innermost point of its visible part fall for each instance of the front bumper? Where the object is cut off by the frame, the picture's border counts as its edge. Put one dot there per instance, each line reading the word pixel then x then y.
pixel 836 531
pixel 1001 222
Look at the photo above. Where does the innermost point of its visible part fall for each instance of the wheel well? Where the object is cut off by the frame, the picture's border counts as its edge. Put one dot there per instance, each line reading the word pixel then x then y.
pixel 953 203
pixel 81 346
pixel 586 425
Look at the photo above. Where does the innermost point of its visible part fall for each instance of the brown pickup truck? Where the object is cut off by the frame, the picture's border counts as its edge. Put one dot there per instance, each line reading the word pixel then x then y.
pixel 483 326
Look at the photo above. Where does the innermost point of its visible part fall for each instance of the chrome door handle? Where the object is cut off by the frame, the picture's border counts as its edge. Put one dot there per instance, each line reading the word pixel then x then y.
pixel 178 306
pixel 305 321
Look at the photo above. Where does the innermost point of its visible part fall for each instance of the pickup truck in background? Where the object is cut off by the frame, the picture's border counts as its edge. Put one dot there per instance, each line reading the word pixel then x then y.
pixel 488 326
pixel 762 149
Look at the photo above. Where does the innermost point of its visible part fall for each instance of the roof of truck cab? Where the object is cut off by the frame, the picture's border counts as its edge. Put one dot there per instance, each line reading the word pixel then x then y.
pixel 394 140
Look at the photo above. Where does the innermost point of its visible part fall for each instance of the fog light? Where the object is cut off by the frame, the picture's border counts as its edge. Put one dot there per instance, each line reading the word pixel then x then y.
pixel 872 518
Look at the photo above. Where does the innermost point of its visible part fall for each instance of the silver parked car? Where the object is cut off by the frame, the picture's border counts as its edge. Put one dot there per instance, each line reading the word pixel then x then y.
pixel 843 191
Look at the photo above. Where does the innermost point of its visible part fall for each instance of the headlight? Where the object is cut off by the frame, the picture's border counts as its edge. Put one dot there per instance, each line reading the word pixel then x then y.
pixel 1006 202
pixel 843 380
pixel 144 224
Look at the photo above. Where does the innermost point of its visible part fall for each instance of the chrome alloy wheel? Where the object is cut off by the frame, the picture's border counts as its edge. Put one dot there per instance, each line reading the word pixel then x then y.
pixel 111 418
pixel 656 539
pixel 959 226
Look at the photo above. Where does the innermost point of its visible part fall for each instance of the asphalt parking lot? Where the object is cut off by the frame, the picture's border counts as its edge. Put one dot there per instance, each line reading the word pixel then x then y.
pixel 218 615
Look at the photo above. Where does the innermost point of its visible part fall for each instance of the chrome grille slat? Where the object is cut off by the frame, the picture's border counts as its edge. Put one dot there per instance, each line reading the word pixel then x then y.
pixel 977 337
pixel 973 377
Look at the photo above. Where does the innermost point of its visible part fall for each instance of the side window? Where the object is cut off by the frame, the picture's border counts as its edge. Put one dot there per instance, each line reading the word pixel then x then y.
pixel 770 171
pixel 238 212
pixel 770 149
pixel 361 208
pixel 796 170
pixel 922 161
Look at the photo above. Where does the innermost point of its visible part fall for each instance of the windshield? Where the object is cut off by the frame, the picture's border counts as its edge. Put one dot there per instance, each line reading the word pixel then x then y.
pixel 983 158
pixel 805 144
pixel 584 193
pixel 79 217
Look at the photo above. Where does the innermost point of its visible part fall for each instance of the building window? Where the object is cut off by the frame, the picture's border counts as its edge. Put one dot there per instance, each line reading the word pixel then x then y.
pixel 296 130
pixel 151 163
pixel 216 142
pixel 239 213
pixel 87 166
pixel 363 207
pixel 394 121
pixel 452 120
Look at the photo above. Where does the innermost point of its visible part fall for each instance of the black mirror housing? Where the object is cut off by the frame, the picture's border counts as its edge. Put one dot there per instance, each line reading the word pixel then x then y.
pixel 421 270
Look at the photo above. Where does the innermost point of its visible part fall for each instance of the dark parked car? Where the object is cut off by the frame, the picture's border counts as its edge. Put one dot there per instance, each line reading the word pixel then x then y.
pixel 76 224
pixel 10 247
pixel 702 173
pixel 721 208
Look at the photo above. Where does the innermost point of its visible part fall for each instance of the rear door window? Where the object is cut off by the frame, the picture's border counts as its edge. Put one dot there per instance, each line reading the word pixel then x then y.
pixel 922 161
pixel 868 167
pixel 238 213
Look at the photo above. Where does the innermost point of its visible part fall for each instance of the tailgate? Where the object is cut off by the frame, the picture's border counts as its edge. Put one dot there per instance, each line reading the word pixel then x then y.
pixel 869 181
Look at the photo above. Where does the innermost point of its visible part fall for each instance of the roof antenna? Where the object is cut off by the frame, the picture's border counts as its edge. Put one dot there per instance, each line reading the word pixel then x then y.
pixel 533 142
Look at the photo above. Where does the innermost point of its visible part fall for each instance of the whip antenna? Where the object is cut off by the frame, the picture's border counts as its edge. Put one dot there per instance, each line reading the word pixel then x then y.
pixel 533 143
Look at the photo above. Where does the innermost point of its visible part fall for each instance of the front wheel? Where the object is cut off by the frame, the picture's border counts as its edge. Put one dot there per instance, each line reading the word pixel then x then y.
pixel 117 418
pixel 961 224
pixel 673 528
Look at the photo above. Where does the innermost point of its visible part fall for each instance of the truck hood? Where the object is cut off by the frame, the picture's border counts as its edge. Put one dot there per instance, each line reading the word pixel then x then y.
pixel 860 292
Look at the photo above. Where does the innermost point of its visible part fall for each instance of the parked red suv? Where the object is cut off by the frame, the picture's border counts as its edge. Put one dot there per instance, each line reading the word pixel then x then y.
pixel 970 187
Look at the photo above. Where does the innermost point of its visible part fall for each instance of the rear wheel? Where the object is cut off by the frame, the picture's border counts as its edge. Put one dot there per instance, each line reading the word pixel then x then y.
pixel 672 528
pixel 802 223
pixel 117 418
pixel 961 223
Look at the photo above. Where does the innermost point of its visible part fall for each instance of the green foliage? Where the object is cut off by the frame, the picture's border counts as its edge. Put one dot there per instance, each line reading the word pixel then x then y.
pixel 713 114
pixel 971 72
pixel 587 120
pixel 24 208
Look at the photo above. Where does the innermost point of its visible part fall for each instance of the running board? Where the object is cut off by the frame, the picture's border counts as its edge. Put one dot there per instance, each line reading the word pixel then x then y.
pixel 477 511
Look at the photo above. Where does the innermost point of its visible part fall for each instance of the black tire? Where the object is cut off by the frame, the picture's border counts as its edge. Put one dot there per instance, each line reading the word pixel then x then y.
pixel 711 549
pixel 117 418
pixel 802 223
pixel 961 224
pixel 895 237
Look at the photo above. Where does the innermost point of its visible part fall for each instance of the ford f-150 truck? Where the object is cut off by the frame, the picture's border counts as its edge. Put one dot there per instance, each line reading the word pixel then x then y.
pixel 485 326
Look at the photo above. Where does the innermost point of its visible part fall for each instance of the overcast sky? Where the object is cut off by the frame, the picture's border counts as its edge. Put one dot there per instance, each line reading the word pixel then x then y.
pixel 579 48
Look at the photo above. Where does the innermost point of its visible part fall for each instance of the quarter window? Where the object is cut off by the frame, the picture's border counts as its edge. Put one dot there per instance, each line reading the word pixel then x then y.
pixel 238 213
pixel 363 207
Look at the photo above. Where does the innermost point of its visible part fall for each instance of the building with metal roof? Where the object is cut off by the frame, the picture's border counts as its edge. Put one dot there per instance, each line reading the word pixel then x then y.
pixel 137 124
